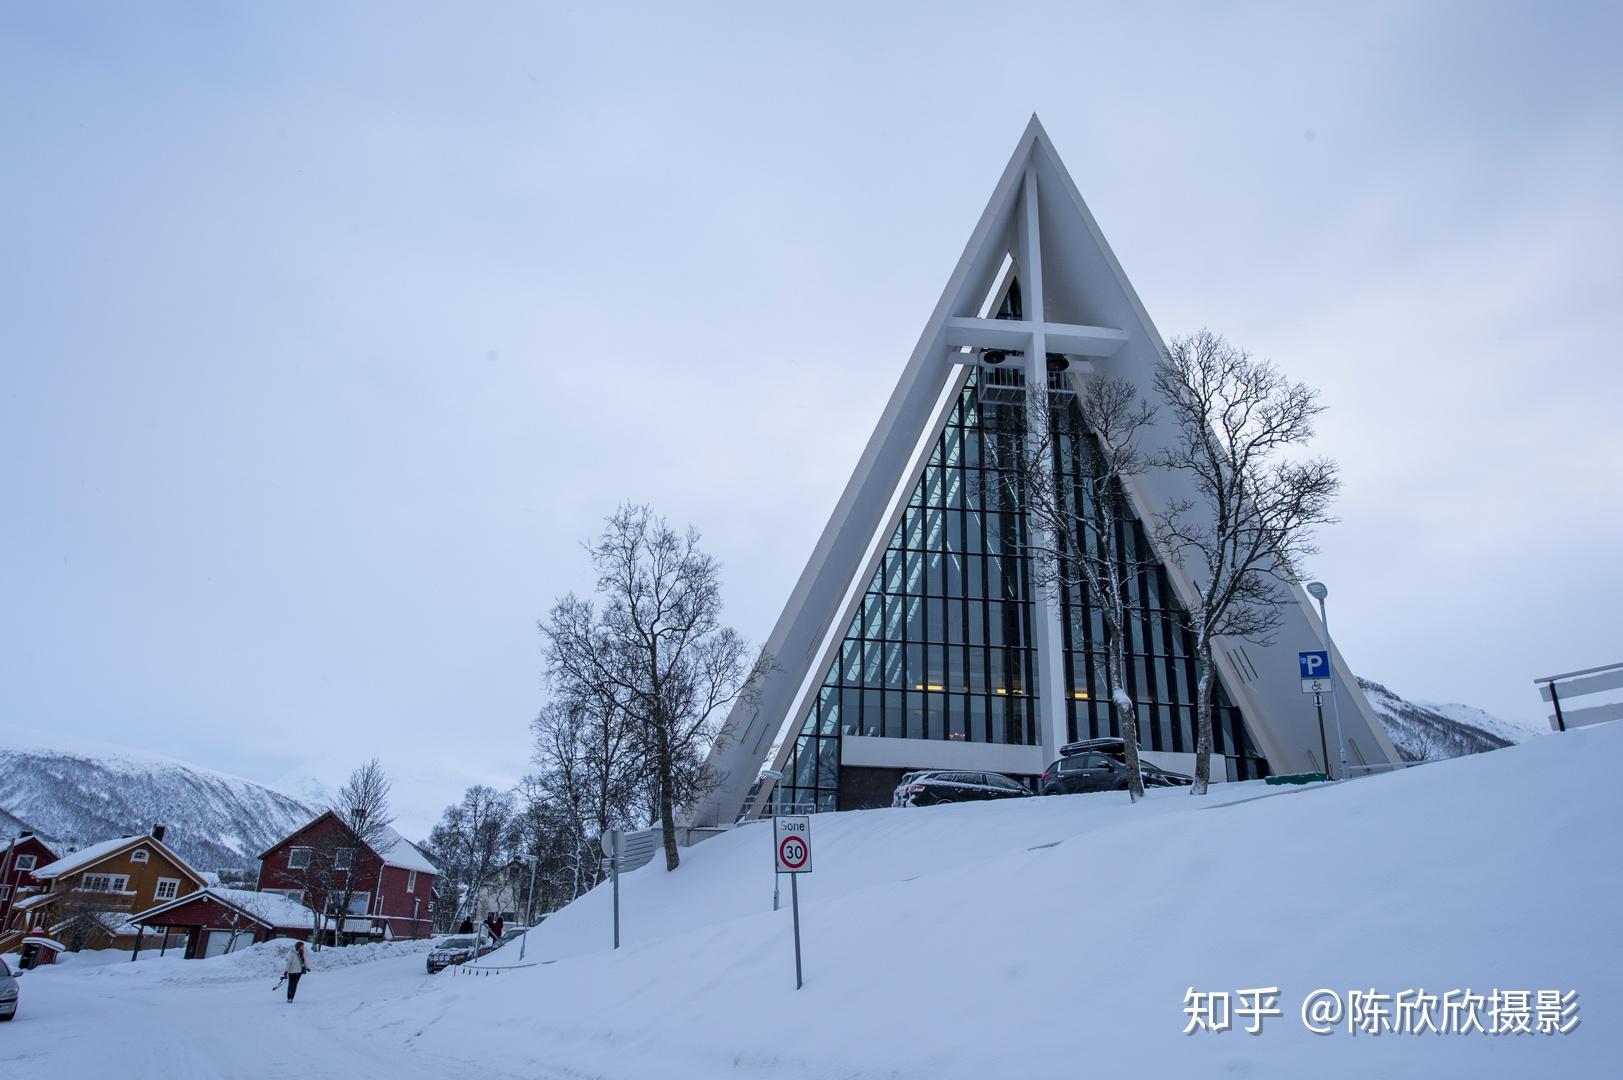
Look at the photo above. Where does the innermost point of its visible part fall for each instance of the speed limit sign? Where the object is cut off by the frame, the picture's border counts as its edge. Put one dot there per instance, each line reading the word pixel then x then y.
pixel 792 836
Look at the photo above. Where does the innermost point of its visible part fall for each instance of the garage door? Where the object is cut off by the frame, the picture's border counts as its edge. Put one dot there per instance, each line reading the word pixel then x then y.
pixel 216 943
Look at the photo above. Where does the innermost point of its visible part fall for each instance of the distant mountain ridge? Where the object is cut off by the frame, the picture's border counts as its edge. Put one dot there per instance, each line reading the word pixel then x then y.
pixel 1432 731
pixel 80 793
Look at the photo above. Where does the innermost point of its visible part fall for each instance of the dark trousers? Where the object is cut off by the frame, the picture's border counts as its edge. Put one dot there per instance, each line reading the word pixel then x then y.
pixel 293 985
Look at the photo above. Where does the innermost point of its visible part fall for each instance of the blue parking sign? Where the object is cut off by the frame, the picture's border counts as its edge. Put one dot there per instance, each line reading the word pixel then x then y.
pixel 1314 665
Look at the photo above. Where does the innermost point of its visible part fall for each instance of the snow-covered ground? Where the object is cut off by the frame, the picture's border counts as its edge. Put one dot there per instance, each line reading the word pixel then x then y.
pixel 1047 937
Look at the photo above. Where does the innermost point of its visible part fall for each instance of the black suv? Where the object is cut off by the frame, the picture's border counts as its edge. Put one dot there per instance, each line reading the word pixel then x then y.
pixel 944 786
pixel 1102 770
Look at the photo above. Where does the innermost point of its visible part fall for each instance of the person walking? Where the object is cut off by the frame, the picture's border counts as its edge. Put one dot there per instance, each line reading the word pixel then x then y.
pixel 467 925
pixel 298 965
pixel 496 930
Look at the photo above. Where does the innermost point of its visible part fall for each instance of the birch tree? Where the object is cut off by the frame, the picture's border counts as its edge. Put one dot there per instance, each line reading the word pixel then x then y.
pixel 656 647
pixel 472 839
pixel 1243 536
pixel 362 805
pixel 1077 517
pixel 590 752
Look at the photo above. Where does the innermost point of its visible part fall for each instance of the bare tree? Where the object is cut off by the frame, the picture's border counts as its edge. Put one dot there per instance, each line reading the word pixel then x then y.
pixel 655 648
pixel 552 830
pixel 1249 528
pixel 591 757
pixel 472 839
pixel 362 805
pixel 1073 468
pixel 244 915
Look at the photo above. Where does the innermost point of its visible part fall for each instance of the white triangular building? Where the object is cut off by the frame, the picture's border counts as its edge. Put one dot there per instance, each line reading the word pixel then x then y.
pixel 914 638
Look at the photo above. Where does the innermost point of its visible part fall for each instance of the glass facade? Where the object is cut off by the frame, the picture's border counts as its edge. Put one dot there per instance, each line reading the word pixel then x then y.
pixel 1160 651
pixel 942 645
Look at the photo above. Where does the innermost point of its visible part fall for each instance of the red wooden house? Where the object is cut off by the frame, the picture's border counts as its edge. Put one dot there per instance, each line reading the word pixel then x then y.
pixel 19 858
pixel 218 920
pixel 391 886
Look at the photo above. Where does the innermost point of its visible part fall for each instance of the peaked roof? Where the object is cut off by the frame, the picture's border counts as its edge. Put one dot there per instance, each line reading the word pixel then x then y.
pixel 1078 303
pixel 84 858
pixel 271 909
pixel 7 843
pixel 392 849
pixel 405 855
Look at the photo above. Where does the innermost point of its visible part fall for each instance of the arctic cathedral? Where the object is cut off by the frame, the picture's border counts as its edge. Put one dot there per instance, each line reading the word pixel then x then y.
pixel 916 638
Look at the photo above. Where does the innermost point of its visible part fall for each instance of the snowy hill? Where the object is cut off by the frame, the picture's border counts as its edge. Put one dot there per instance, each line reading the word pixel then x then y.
pixel 1427 731
pixel 85 791
pixel 1038 937
pixel 959 941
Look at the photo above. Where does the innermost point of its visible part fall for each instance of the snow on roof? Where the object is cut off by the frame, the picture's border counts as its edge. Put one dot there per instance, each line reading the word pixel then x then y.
pixel 76 860
pixel 49 943
pixel 400 852
pixel 116 923
pixel 7 841
pixel 274 909
pixel 31 901
pixel 86 857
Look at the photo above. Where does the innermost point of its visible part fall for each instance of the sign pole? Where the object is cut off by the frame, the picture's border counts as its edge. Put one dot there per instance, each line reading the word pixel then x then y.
pixel 1335 705
pixel 614 867
pixel 791 854
pixel 1324 747
pixel 794 902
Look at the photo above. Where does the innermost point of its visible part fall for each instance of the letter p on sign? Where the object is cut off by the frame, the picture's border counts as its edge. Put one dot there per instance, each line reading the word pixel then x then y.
pixel 1314 665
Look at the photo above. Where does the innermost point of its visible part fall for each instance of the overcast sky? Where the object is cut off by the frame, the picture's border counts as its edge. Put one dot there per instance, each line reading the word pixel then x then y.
pixel 327 337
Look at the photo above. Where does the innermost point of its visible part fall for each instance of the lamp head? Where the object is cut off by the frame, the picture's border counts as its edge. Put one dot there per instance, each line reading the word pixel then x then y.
pixel 1317 590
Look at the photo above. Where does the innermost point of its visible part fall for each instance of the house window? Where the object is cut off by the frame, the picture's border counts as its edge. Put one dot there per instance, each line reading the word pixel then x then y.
pixel 110 883
pixel 26 862
pixel 138 855
pixel 5 893
pixel 298 858
pixel 168 888
pixel 344 859
pixel 411 882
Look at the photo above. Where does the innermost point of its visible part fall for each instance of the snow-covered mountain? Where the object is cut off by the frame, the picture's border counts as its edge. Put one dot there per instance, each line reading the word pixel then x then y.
pixel 1431 731
pixel 76 791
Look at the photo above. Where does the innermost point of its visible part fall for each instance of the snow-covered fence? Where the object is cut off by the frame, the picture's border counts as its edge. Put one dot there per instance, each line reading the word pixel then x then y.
pixel 1574 684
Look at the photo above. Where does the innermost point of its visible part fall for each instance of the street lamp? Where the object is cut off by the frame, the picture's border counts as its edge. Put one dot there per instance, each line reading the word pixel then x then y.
pixel 529 906
pixel 774 775
pixel 1318 591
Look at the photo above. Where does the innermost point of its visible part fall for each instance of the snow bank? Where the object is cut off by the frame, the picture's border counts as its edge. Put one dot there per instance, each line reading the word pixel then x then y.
pixel 1053 936
pixel 245 963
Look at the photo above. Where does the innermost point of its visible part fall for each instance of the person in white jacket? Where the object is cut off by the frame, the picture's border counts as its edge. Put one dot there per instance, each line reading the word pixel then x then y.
pixel 298 963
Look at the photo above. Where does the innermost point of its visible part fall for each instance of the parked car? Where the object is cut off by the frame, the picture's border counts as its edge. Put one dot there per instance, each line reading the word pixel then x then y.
pixel 456 950
pixel 8 992
pixel 946 786
pixel 1099 770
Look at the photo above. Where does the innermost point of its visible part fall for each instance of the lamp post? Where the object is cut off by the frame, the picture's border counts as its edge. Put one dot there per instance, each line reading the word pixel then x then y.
pixel 529 906
pixel 774 775
pixel 1317 590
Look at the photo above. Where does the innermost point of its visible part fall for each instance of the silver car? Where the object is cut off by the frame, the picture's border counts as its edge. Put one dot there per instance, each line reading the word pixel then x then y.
pixel 8 993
